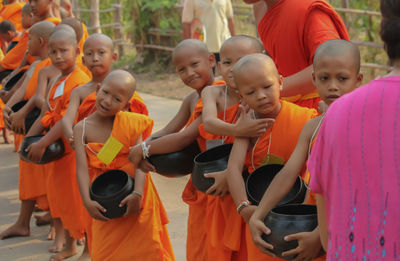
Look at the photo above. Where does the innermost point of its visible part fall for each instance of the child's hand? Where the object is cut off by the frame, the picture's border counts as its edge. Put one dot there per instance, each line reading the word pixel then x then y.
pixel 17 120
pixel 257 229
pixel 96 210
pixel 309 245
pixel 146 166
pixel 136 155
pixel 247 212
pixel 71 142
pixel 246 126
pixel 6 116
pixel 134 204
pixel 220 187
pixel 35 151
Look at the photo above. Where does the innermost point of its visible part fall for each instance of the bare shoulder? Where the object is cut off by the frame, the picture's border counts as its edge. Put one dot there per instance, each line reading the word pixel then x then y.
pixel 213 91
pixel 78 127
pixel 310 127
pixel 191 99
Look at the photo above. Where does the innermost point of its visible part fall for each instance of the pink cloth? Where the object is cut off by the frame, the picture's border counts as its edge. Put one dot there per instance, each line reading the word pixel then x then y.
pixel 355 165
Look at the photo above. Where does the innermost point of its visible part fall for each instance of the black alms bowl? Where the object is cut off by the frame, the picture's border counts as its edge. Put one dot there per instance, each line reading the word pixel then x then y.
pixel 109 189
pixel 212 160
pixel 176 164
pixel 30 118
pixel 259 180
pixel 53 152
pixel 10 84
pixel 286 220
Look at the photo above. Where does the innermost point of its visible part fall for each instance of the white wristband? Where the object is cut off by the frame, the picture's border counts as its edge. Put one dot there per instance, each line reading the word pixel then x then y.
pixel 145 150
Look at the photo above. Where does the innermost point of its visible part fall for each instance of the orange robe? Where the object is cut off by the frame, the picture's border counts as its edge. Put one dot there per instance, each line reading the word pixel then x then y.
pixel 197 201
pixel 12 13
pixel 32 177
pixel 143 237
pixel 284 135
pixel 79 61
pixel 291 31
pixel 62 188
pixel 2 124
pixel 13 58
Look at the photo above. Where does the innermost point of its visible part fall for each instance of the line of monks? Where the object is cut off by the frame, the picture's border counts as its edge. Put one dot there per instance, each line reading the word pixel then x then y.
pixel 67 74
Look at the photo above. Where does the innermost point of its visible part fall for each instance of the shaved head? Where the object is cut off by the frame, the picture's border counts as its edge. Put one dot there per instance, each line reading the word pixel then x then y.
pixel 75 24
pixel 26 9
pixel 193 44
pixel 254 61
pixel 338 47
pixel 255 43
pixel 104 39
pixel 64 32
pixel 124 79
pixel 42 29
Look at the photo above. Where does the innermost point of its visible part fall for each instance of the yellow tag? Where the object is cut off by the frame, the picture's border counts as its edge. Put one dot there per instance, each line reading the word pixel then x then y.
pixel 110 150
pixel 272 159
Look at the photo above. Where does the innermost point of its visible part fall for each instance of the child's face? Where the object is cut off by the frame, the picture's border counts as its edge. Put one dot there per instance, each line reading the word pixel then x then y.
pixel 7 37
pixel 112 97
pixel 40 7
pixel 194 68
pixel 260 89
pixel 335 76
pixel 33 44
pixel 62 54
pixel 230 54
pixel 98 57
pixel 26 20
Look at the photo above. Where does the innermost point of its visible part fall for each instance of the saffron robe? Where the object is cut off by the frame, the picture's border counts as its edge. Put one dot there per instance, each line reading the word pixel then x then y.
pixel 32 177
pixel 197 201
pixel 284 135
pixel 143 237
pixel 62 187
pixel 292 30
pixel 12 13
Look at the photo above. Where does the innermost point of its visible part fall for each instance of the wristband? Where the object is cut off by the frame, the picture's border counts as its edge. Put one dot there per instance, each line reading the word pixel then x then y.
pixel 242 205
pixel 138 193
pixel 145 150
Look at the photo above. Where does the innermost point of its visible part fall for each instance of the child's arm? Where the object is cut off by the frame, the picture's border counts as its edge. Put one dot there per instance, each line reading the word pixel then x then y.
pixel 179 120
pixel 245 126
pixel 298 83
pixel 134 200
pixel 167 144
pixel 94 208
pixel 235 180
pixel 67 121
pixel 6 95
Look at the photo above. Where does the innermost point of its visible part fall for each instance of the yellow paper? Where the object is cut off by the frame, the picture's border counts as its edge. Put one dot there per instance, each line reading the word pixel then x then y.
pixel 110 150
pixel 272 159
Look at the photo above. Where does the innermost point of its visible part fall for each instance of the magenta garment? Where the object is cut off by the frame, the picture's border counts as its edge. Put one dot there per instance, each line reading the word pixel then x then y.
pixel 355 165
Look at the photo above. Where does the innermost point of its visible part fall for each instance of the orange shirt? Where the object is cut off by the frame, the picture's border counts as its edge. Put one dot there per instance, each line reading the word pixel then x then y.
pixel 12 12
pixel 142 237
pixel 33 81
pixel 291 31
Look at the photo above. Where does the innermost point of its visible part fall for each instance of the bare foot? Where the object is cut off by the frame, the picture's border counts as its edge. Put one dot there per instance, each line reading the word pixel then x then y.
pixel 15 231
pixel 80 242
pixel 63 255
pixel 43 220
pixel 52 233
pixel 57 245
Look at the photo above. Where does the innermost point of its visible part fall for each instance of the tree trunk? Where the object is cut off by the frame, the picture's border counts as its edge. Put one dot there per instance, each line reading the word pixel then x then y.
pixel 94 16
pixel 75 8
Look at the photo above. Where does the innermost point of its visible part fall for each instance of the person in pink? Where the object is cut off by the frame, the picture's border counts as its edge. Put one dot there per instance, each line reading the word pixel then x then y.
pixel 355 163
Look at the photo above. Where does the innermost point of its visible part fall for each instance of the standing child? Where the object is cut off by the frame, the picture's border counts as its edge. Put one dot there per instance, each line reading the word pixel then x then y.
pixel 144 223
pixel 354 164
pixel 259 83
pixel 62 191
pixel 336 72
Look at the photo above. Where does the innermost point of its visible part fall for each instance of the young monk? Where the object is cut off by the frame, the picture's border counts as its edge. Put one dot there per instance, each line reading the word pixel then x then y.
pixel 336 72
pixel 193 62
pixel 62 192
pixel 221 124
pixel 8 34
pixel 67 7
pixel 32 189
pixel 144 222
pixel 259 84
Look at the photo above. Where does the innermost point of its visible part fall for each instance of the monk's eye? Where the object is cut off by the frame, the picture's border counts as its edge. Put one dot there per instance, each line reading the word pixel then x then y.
pixel 342 79
pixel 117 99
pixel 267 87
pixel 227 62
pixel 181 70
pixel 249 93
pixel 195 63
pixel 323 78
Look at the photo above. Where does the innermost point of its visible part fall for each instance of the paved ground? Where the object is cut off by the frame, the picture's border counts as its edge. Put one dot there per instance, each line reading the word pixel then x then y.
pixel 35 246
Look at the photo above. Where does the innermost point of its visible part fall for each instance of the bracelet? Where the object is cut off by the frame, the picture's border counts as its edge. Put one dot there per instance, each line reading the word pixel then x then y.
pixel 145 149
pixel 137 193
pixel 242 205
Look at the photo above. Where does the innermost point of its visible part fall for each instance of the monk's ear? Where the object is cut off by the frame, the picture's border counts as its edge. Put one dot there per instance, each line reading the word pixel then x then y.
pixel 313 78
pixel 41 41
pixel 98 86
pixel 280 82
pixel 114 57
pixel 211 59
pixel 83 60
pixel 78 50
pixel 127 106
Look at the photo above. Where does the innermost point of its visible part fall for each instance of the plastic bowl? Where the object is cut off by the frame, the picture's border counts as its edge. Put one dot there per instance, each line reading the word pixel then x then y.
pixel 109 189
pixel 10 84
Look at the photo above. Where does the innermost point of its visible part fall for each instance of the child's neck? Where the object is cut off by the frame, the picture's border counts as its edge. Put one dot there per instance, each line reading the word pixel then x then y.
pixel 396 69
pixel 232 93
pixel 99 77
pixel 43 54
pixel 209 82
pixel 46 15
pixel 103 119
pixel 271 115
pixel 68 71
